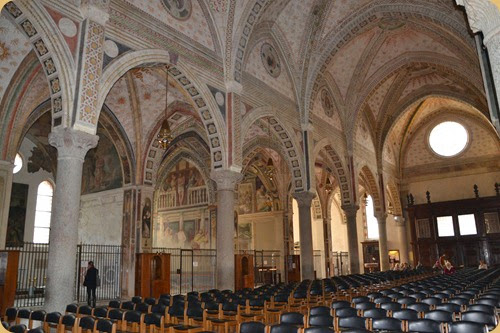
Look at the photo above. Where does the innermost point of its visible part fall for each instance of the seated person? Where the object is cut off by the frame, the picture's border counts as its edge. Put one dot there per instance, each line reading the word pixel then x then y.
pixel 448 268
pixel 482 265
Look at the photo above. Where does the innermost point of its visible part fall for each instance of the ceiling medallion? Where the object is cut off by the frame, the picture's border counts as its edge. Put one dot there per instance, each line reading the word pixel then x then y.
pixel 390 23
pixel 327 102
pixel 270 59
pixel 180 9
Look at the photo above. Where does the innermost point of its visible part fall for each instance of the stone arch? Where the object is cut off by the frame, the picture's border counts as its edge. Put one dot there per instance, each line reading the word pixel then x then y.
pixel 212 120
pixel 396 201
pixel 250 16
pixel 197 161
pixel 372 189
pixel 338 167
pixel 33 20
pixel 365 18
pixel 290 146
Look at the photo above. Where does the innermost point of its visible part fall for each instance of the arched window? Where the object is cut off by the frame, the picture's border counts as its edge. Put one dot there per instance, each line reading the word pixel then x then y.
pixel 43 212
pixel 18 163
pixel 371 220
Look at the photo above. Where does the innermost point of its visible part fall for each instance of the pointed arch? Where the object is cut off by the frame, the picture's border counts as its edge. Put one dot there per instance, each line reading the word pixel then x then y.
pixel 372 188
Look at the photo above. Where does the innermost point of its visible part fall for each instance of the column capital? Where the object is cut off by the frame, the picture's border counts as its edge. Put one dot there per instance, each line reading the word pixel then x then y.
pixel 483 15
pixel 400 220
pixel 226 180
pixel 381 217
pixel 72 144
pixel 350 210
pixel 234 87
pixel 95 10
pixel 304 198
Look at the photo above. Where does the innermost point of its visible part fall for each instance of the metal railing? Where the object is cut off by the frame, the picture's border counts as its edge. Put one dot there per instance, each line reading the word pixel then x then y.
pixel 31 275
pixel 267 266
pixel 190 269
pixel 107 259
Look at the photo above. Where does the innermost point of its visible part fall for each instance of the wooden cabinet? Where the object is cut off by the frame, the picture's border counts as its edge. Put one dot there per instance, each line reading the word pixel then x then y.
pixel 9 262
pixel 371 256
pixel 293 268
pixel 243 271
pixel 152 274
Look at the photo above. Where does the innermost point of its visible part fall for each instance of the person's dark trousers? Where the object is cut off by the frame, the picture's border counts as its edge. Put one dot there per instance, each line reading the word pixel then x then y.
pixel 91 296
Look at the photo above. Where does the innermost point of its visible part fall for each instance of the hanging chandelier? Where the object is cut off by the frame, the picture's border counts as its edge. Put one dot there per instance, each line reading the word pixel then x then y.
pixel 164 137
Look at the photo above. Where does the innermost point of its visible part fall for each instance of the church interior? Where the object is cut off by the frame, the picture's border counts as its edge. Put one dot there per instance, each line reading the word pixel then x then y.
pixel 268 156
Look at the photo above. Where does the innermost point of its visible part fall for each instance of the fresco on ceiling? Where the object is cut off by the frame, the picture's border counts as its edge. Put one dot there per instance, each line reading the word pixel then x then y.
pixel 255 197
pixel 17 215
pixel 183 186
pixel 102 169
pixel 180 9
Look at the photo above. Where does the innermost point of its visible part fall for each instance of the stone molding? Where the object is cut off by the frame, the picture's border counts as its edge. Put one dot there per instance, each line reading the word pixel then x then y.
pixel 304 199
pixel 96 10
pixel 226 180
pixel 234 87
pixel 72 144
pixel 350 211
pixel 483 15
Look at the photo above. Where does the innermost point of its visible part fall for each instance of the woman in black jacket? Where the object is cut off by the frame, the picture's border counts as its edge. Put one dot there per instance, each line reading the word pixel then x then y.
pixel 90 282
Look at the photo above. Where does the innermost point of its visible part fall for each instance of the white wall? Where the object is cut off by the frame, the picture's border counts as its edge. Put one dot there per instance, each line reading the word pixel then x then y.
pixel 101 218
pixel 339 230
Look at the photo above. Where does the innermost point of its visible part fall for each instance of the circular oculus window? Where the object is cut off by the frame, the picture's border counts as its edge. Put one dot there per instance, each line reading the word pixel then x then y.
pixel 448 139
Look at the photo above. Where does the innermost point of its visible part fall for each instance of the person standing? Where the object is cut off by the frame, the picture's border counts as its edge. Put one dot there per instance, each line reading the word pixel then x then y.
pixel 90 282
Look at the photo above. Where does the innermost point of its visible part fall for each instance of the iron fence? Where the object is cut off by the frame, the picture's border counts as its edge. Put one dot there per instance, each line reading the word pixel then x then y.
pixel 107 259
pixel 267 266
pixel 190 269
pixel 340 263
pixel 31 276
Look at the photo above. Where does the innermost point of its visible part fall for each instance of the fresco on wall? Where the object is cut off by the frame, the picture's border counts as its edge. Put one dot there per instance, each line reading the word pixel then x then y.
pixel 17 215
pixel 183 186
pixel 43 155
pixel 255 201
pixel 102 169
pixel 146 219
pixel 189 233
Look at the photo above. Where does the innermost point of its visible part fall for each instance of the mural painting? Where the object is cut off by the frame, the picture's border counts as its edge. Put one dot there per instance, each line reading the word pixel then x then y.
pixel 256 201
pixel 182 209
pixel 17 215
pixel 146 219
pixel 102 167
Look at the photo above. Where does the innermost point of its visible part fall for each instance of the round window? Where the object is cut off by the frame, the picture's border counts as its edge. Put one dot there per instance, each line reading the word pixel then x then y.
pixel 18 163
pixel 448 138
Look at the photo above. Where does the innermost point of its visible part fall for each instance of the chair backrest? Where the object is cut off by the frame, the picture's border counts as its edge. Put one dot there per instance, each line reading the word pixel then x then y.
pixel 283 328
pixel 319 310
pixel 53 317
pixel 128 305
pixel 440 315
pixel 375 313
pixel 68 320
pixel 101 312
pixel 137 299
pixel 424 326
pixel 405 314
pixel 24 313
pixel 318 330
pixel 11 314
pixel 321 320
pixel 252 327
pixel 142 307
pixel 482 307
pixel 87 323
pixel 420 307
pixel 407 300
pixel 230 306
pixel 352 322
pixel 104 325
pixel 458 301
pixel 132 316
pixel 114 304
pixel 480 317
pixel 486 301
pixel 38 315
pixel 115 314
pixel 194 310
pixel 389 324
pixel 17 328
pixel 346 312
pixel 466 327
pixel 393 306
pixel 153 319
pixel 85 310
pixel 383 299
pixel 281 298
pixel 72 308
pixel 292 318
pixel 360 299
pixel 431 300
pixel 450 307
pixel 340 304
pixel 365 305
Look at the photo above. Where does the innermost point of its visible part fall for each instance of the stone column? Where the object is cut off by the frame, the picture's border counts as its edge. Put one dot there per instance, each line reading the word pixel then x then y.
pixel 72 146
pixel 327 232
pixel 382 242
pixel 352 238
pixel 226 182
pixel 304 200
pixel 403 241
pixel 6 176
